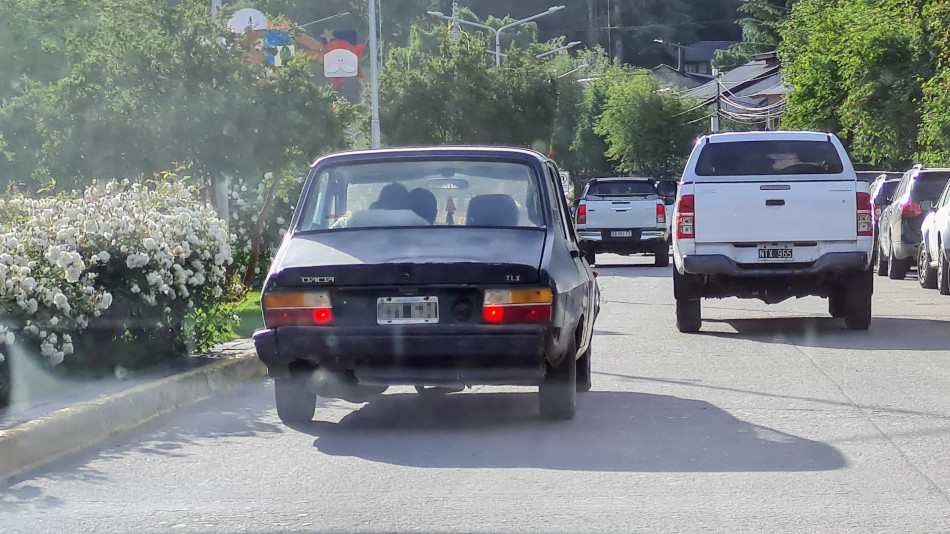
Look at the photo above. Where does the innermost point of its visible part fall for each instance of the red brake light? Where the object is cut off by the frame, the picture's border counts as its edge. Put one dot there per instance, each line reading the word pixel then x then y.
pixel 522 313
pixel 660 213
pixel 685 218
pixel 865 222
pixel 582 214
pixel 911 209
pixel 298 317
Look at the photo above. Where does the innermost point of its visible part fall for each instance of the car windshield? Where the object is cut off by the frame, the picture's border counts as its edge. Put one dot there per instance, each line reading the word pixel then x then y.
pixel 886 191
pixel 929 185
pixel 768 158
pixel 422 194
pixel 621 188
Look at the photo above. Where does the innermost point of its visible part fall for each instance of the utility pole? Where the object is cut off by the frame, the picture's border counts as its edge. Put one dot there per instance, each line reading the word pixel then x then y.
pixel 374 76
pixel 457 30
pixel 715 118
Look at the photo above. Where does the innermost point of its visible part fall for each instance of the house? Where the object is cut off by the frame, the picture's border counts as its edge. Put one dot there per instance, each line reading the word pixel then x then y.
pixel 696 58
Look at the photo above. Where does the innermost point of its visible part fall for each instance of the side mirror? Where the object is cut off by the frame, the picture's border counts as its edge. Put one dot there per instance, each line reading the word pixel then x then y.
pixel 926 205
pixel 666 188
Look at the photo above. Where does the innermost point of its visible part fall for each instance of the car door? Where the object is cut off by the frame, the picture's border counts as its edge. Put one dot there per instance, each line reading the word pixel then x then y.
pixel 583 297
pixel 891 218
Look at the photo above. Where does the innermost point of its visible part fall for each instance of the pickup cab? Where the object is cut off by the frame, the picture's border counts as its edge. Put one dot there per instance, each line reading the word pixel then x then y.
pixel 771 216
pixel 623 216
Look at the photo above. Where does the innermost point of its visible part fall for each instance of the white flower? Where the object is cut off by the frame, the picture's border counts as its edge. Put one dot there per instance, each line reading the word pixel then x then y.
pixel 149 244
pixel 61 302
pixel 54 321
pixel 104 256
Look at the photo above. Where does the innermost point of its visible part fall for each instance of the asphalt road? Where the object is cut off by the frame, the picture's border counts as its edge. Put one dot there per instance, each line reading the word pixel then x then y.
pixel 773 418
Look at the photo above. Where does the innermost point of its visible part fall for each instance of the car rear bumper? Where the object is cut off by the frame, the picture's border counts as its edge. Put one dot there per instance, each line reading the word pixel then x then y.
pixel 411 354
pixel 642 240
pixel 832 263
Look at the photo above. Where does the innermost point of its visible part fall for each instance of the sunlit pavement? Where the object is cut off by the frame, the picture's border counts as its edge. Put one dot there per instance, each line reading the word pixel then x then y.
pixel 773 418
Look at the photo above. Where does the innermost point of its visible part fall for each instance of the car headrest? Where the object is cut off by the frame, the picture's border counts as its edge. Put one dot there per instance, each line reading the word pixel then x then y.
pixel 492 210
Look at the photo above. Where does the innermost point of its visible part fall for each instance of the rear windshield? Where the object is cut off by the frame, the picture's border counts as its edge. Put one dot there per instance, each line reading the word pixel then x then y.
pixel 768 158
pixel 929 186
pixel 422 194
pixel 886 191
pixel 621 189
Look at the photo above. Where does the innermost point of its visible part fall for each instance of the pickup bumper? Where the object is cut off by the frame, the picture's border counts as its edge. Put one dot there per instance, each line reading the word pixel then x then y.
pixel 640 240
pixel 412 354
pixel 832 263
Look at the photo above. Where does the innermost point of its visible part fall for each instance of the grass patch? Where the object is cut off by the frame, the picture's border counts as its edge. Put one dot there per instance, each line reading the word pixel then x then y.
pixel 249 315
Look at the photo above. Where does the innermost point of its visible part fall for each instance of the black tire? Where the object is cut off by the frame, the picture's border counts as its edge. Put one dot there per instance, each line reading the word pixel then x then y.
pixel 688 315
pixel 295 402
pixel 897 268
pixel 662 259
pixel 836 305
pixel 557 395
pixel 926 275
pixel 591 257
pixel 943 271
pixel 881 263
pixel 583 372
pixel 858 301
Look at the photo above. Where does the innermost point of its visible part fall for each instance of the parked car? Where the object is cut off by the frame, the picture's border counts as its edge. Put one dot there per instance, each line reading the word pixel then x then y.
pixel 623 216
pixel 772 215
pixel 873 176
pixel 882 193
pixel 933 265
pixel 899 227
pixel 428 267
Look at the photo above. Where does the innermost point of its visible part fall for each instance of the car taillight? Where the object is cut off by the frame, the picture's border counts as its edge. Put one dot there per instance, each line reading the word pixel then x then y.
pixel 660 214
pixel 878 210
pixel 911 209
pixel 686 218
pixel 582 214
pixel 297 309
pixel 865 223
pixel 507 306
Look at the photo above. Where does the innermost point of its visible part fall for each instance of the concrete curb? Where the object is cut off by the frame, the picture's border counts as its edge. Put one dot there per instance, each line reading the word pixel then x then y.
pixel 38 442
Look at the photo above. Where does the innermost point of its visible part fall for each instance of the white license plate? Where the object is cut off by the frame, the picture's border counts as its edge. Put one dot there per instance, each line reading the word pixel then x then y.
pixel 776 253
pixel 621 233
pixel 407 310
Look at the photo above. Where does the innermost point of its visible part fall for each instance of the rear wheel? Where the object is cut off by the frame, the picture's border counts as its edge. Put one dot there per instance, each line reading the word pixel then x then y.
pixel 926 275
pixel 662 258
pixel 881 262
pixel 295 402
pixel 688 315
pixel 943 272
pixel 557 394
pixel 897 268
pixel 858 301
pixel 583 372
pixel 836 305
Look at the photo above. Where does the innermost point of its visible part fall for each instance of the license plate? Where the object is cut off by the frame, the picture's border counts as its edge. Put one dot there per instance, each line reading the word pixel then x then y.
pixel 621 233
pixel 775 253
pixel 407 310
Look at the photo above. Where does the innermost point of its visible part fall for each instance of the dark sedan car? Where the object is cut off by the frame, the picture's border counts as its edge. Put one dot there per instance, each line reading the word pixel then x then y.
pixel 430 267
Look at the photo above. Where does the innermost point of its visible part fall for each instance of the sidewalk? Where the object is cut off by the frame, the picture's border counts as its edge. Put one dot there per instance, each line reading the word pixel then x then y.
pixel 51 417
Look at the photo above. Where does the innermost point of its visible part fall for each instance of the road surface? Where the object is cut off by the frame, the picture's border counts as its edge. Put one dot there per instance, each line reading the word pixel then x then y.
pixel 773 418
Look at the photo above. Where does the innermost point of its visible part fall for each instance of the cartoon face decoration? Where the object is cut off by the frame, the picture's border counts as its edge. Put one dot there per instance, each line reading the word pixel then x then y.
pixel 341 60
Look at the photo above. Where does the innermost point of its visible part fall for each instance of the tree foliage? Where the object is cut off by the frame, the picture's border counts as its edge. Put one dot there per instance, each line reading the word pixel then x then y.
pixel 761 26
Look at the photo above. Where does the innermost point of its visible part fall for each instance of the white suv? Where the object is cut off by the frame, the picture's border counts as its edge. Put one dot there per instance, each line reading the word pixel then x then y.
pixel 933 263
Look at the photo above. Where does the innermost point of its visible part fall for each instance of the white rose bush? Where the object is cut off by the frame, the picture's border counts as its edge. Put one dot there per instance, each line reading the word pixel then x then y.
pixel 118 272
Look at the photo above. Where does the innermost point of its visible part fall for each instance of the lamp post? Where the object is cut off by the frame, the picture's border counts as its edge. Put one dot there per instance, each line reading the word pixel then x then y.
pixel 373 77
pixel 679 52
pixel 499 31
pixel 568 46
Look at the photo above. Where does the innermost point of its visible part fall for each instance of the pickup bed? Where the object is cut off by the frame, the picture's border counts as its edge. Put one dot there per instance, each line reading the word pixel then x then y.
pixel 772 215
pixel 623 216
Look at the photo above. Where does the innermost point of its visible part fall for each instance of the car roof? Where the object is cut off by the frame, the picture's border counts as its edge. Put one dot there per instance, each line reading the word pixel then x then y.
pixel 622 179
pixel 441 151
pixel 733 137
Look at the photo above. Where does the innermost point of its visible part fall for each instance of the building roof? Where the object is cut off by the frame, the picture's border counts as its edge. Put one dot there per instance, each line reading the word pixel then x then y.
pixel 683 79
pixel 738 79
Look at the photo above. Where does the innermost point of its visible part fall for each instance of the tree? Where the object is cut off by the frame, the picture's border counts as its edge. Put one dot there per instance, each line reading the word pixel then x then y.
pixel 648 129
pixel 760 31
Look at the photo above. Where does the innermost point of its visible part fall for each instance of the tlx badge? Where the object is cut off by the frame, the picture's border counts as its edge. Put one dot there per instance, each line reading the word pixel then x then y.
pixel 317 279
pixel 513 278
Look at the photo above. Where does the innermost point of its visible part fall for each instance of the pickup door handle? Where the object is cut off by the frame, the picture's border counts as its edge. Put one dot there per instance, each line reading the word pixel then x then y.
pixel 775 202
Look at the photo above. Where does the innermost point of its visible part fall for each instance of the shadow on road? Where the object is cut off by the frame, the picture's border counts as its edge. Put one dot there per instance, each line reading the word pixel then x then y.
pixel 633 270
pixel 613 431
pixel 886 333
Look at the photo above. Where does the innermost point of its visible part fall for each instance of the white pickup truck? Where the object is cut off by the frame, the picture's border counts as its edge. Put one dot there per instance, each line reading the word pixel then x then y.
pixel 772 215
pixel 623 216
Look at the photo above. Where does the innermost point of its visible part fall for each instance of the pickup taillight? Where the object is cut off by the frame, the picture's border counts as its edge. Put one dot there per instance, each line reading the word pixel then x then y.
pixel 686 218
pixel 660 213
pixel 865 215
pixel 582 214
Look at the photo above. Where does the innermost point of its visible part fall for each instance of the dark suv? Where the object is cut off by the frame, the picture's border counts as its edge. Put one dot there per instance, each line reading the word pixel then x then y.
pixel 899 226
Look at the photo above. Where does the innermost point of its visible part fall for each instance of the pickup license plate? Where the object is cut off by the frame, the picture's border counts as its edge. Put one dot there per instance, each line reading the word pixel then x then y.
pixel 775 253
pixel 407 310
pixel 621 233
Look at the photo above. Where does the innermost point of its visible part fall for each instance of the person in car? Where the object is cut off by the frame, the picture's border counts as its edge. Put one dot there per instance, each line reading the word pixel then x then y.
pixel 424 204
pixel 392 208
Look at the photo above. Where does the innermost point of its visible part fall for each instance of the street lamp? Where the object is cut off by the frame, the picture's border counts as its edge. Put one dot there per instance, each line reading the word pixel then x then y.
pixel 373 78
pixel 568 46
pixel 499 31
pixel 679 52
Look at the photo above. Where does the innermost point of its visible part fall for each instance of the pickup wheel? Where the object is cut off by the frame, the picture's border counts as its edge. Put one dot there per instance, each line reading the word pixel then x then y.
pixel 583 372
pixel 898 268
pixel 836 305
pixel 858 301
pixel 926 275
pixel 295 402
pixel 662 257
pixel 688 315
pixel 943 272
pixel 557 394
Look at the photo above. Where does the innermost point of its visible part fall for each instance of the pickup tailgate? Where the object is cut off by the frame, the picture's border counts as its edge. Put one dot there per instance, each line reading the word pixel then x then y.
pixel 621 212
pixel 774 211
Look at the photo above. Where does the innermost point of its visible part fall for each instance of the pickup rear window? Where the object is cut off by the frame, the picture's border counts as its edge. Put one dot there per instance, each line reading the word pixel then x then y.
pixel 621 189
pixel 768 158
